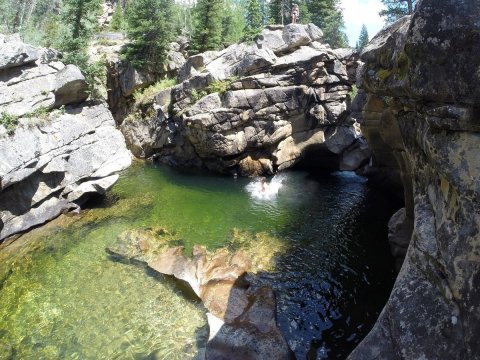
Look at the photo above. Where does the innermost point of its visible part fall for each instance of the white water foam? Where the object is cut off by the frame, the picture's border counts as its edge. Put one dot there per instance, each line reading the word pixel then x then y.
pixel 262 189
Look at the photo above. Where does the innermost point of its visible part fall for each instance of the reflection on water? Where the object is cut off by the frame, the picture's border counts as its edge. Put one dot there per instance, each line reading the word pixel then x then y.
pixel 61 296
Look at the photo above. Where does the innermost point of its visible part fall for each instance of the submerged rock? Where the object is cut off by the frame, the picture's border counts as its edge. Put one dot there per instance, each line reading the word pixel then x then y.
pixel 421 75
pixel 242 312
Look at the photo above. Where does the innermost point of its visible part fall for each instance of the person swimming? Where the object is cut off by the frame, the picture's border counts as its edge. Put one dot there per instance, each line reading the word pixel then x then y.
pixel 263 184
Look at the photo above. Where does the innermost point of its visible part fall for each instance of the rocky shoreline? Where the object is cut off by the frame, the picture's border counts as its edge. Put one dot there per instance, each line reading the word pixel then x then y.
pixel 255 109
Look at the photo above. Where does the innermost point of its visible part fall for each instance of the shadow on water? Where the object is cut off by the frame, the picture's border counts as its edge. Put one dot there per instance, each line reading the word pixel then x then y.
pixel 336 275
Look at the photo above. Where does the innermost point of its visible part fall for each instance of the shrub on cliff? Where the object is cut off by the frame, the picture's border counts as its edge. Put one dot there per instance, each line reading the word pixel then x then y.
pixel 9 122
pixel 78 24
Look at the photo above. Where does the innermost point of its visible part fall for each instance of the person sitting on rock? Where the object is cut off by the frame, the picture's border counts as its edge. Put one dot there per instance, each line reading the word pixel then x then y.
pixel 295 13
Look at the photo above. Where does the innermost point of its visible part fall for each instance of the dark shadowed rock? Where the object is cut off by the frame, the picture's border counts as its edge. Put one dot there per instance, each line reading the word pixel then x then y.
pixel 421 76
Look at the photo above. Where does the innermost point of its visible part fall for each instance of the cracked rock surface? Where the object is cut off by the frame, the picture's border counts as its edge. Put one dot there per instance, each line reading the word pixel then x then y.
pixel 253 108
pixel 54 159
pixel 421 78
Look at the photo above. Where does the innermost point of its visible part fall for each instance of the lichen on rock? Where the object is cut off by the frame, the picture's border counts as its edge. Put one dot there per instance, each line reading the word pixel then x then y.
pixel 422 122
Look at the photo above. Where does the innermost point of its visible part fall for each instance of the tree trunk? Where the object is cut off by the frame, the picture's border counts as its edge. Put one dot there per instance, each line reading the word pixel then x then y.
pixel 410 7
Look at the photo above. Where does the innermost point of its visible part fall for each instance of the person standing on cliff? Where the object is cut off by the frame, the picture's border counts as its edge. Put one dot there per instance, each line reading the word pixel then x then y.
pixel 295 13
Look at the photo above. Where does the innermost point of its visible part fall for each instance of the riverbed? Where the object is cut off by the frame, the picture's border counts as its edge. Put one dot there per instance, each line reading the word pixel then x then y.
pixel 62 296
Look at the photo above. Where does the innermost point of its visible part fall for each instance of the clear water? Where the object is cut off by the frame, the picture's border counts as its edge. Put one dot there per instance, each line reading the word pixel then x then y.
pixel 63 297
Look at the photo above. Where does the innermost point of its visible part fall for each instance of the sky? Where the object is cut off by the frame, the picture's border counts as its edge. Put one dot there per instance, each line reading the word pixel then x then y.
pixel 358 12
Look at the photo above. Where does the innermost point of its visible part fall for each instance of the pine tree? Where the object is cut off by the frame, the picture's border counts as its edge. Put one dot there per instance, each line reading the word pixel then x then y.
pixel 253 22
pixel 150 33
pixel 363 38
pixel 327 15
pixel 233 22
pixel 278 10
pixel 207 28
pixel 395 9
pixel 78 23
pixel 118 20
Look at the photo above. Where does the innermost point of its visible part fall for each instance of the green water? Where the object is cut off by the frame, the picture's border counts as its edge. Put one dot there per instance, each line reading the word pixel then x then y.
pixel 63 297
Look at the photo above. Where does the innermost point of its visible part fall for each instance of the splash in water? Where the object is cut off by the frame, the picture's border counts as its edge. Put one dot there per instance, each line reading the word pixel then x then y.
pixel 262 189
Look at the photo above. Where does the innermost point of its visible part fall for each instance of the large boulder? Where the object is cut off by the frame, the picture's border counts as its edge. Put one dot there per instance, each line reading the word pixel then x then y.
pixel 421 75
pixel 34 79
pixel 70 86
pixel 13 52
pixel 281 39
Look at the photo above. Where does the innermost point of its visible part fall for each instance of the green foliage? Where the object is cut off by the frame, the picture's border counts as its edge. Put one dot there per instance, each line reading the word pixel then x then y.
pixel 353 92
pixel 305 15
pixel 233 22
pixel 9 121
pixel 220 86
pixel 150 32
pixel 207 28
pixel 182 19
pixel 363 38
pixel 197 95
pixel 395 9
pixel 42 112
pixel 327 15
pixel 278 10
pixel 118 19
pixel 253 22
pixel 36 20
pixel 143 94
pixel 78 24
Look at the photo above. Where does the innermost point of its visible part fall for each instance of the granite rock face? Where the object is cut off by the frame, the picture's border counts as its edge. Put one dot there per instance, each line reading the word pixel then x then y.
pixel 123 79
pixel 33 79
pixel 254 108
pixel 422 76
pixel 54 159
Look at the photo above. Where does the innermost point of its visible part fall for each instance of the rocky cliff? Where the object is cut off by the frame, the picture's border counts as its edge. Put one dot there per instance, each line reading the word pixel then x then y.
pixel 51 160
pixel 422 77
pixel 251 108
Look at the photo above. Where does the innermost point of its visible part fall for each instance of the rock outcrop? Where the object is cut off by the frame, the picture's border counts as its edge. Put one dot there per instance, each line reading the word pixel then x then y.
pixel 123 79
pixel 422 76
pixel 55 159
pixel 253 108
pixel 242 311
pixel 32 78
